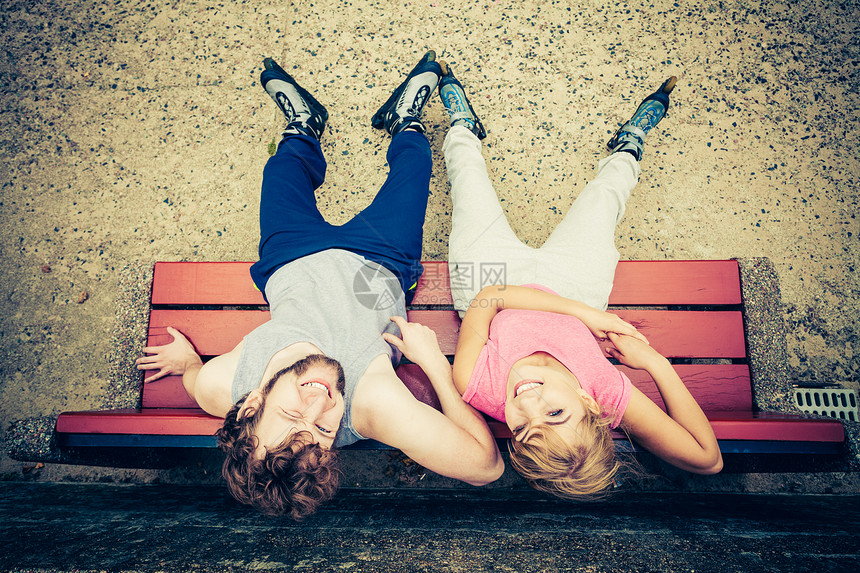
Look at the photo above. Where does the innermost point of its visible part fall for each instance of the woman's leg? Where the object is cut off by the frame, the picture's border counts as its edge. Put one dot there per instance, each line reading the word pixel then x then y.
pixel 482 247
pixel 579 258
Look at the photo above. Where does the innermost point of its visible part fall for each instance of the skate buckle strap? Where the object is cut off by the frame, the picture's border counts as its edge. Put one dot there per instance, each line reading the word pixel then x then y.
pixel 457 115
pixel 636 132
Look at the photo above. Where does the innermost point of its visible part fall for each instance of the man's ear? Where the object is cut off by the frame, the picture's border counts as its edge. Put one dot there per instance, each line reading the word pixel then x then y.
pixel 251 405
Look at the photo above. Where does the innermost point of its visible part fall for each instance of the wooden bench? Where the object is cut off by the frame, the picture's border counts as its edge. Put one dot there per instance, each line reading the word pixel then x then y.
pixel 691 311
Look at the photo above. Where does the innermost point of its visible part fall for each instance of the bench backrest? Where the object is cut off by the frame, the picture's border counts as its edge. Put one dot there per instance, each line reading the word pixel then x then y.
pixel 689 310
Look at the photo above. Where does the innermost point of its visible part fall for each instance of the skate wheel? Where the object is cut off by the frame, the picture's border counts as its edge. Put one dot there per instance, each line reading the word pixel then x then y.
pixel 669 85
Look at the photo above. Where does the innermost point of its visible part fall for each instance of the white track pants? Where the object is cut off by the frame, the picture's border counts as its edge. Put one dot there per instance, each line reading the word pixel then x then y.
pixel 578 259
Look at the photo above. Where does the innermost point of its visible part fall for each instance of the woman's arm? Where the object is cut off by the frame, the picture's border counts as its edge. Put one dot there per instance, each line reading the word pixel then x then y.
pixel 682 435
pixel 473 335
pixel 475 328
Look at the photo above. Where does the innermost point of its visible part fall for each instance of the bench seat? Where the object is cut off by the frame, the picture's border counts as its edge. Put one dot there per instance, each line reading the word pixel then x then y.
pixel 691 311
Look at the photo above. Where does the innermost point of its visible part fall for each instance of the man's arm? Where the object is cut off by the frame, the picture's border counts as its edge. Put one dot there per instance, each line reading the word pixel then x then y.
pixel 456 442
pixel 208 384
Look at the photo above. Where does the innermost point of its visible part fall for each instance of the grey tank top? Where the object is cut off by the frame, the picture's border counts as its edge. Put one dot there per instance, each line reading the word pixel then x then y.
pixel 336 300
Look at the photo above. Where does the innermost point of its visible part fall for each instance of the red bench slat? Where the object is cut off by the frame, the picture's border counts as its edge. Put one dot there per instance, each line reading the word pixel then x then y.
pixel 636 283
pixel 215 332
pixel 676 283
pixel 418 383
pixel 690 334
pixel 168 422
pixel 749 426
pixel 715 387
pixel 230 283
pixel 676 334
pixel 204 283
pixel 167 392
pixel 434 286
pixel 727 425
pixel 774 427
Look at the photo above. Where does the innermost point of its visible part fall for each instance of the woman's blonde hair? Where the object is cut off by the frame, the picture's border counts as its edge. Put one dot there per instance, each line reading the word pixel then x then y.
pixel 581 471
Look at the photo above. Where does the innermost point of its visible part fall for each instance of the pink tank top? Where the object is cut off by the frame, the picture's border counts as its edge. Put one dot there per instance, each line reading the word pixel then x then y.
pixel 515 334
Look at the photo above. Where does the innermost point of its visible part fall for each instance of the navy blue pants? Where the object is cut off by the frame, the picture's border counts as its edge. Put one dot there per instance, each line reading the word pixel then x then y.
pixel 388 231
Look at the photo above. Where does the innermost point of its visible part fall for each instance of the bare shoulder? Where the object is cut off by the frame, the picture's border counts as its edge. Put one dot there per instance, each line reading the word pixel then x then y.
pixel 378 383
pixel 379 393
pixel 639 410
pixel 213 388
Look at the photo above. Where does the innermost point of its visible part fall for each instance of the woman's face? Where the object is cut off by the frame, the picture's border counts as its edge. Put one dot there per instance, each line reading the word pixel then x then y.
pixel 542 395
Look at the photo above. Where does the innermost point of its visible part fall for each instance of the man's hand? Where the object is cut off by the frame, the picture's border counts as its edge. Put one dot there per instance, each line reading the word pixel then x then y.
pixel 173 358
pixel 632 352
pixel 602 323
pixel 418 344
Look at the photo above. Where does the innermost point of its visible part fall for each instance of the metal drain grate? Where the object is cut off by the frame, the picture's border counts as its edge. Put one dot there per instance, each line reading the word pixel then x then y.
pixel 841 404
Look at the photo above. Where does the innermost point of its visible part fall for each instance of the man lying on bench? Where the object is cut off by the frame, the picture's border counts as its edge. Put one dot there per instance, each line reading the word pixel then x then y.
pixel 319 374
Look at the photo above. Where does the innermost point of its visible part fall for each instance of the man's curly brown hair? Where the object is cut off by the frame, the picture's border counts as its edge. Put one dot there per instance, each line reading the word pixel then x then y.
pixel 295 477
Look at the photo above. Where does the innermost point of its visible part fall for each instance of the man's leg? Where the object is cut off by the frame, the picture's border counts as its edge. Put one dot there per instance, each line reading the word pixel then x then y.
pixel 390 229
pixel 291 226
pixel 402 110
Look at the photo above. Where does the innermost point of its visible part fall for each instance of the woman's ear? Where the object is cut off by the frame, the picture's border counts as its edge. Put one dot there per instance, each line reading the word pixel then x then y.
pixel 251 405
pixel 589 401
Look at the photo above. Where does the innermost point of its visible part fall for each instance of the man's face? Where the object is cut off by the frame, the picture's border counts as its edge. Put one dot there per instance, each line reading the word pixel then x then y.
pixel 310 401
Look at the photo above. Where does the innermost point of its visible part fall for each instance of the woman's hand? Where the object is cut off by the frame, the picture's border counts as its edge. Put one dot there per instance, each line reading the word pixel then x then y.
pixel 173 358
pixel 602 323
pixel 418 343
pixel 493 299
pixel 633 352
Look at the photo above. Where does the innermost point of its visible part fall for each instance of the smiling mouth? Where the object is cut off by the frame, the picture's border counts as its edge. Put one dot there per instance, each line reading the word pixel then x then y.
pixel 319 384
pixel 525 386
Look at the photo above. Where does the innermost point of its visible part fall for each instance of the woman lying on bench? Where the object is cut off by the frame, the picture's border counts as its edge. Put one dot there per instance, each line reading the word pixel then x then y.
pixel 527 356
